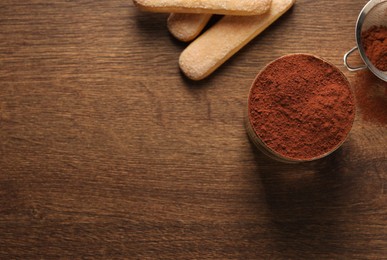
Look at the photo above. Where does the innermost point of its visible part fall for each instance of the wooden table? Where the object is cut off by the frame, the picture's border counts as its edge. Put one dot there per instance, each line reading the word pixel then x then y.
pixel 108 151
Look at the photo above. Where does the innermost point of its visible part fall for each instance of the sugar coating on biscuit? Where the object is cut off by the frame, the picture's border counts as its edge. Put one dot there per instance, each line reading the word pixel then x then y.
pixel 237 7
pixel 185 27
pixel 224 39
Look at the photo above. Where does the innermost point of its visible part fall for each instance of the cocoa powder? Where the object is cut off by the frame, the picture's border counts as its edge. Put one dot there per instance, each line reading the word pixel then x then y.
pixel 371 97
pixel 301 107
pixel 374 41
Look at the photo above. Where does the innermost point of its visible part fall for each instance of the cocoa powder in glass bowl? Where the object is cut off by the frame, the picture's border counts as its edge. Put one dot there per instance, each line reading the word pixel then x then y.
pixel 300 108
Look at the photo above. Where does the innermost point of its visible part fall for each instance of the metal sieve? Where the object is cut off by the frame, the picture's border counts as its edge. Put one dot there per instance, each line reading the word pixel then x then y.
pixel 374 13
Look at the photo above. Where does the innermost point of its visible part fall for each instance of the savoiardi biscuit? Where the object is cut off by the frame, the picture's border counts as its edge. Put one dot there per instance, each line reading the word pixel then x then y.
pixel 225 38
pixel 185 27
pixel 228 7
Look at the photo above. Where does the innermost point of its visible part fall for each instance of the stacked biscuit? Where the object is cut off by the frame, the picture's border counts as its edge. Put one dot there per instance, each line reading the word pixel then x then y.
pixel 243 20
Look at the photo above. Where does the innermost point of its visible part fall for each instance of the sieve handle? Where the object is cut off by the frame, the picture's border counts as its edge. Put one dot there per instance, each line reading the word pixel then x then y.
pixel 349 67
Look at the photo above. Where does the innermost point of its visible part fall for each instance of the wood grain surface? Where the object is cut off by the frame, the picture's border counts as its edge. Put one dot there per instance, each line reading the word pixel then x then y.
pixel 108 152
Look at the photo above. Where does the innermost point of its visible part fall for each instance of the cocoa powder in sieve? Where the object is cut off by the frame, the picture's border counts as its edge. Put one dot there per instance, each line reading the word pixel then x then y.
pixel 374 41
pixel 301 107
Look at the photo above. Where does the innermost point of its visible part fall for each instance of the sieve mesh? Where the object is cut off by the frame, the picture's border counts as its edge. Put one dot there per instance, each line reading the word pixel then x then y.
pixel 376 16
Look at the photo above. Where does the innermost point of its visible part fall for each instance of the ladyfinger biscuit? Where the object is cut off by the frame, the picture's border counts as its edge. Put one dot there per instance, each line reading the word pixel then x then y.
pixel 230 7
pixel 224 39
pixel 185 27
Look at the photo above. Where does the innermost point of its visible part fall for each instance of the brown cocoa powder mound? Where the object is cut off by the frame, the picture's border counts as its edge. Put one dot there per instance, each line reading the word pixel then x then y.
pixel 371 97
pixel 301 107
pixel 374 41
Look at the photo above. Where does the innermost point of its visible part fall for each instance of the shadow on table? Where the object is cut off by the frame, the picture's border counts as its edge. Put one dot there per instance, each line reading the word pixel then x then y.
pixel 305 202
